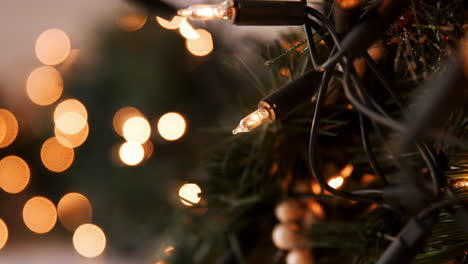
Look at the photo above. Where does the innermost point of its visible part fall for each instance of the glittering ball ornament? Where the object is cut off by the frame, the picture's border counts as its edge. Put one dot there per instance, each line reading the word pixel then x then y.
pixel 290 211
pixel 288 236
pixel 299 256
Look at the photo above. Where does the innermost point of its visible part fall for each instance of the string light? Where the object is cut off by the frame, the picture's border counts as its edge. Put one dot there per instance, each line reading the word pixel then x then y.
pixel 10 125
pixel 336 182
pixel 137 129
pixel 173 24
pixel 171 126
pixel 131 153
pixel 201 46
pixel 187 31
pixel 52 46
pixel 14 174
pixel 44 85
pixel 74 209
pixel 190 194
pixel 209 12
pixel 3 233
pixel 89 240
pixel 39 215
pixel 253 120
pixel 55 156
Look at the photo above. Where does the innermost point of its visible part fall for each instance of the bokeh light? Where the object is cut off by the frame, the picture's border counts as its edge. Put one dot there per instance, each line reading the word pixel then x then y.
pixel 74 209
pixel 121 116
pixel 52 46
pixel 8 128
pixel 336 182
pixel 89 240
pixel 3 234
pixel 44 85
pixel 131 153
pixel 347 170
pixel 171 126
pixel 39 215
pixel 187 31
pixel 14 174
pixel 55 156
pixel 148 148
pixel 173 24
pixel 137 129
pixel 72 141
pixel 190 192
pixel 70 116
pixel 132 22
pixel 201 46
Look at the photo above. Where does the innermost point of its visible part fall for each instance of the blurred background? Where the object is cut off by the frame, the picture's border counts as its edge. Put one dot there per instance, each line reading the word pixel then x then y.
pixel 105 115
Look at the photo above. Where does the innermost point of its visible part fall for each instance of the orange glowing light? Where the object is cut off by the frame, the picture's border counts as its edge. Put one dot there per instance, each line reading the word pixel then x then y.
pixel 137 129
pixel 316 209
pixel 187 31
pixel 347 4
pixel 74 209
pixel 173 24
pixel 171 126
pixel 39 215
pixel 336 182
pixel 202 45
pixel 72 141
pixel 132 22
pixel 368 178
pixel 3 233
pixel 347 170
pixel 169 250
pixel 89 240
pixel 14 174
pixel 55 156
pixel 44 85
pixel 121 116
pixel 8 129
pixel 131 153
pixel 148 148
pixel 190 192
pixel 52 46
pixel 316 189
pixel 70 116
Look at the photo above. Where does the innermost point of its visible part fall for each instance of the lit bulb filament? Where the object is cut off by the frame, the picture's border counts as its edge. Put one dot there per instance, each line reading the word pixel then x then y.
pixel 207 12
pixel 252 121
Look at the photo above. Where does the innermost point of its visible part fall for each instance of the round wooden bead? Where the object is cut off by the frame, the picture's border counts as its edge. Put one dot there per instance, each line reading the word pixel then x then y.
pixel 299 256
pixel 287 236
pixel 290 211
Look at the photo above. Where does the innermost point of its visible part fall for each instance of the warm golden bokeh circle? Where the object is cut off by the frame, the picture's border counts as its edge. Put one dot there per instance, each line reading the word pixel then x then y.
pixel 52 46
pixel 171 126
pixel 148 147
pixel 74 209
pixel 122 115
pixel 89 240
pixel 3 234
pixel 137 129
pixel 14 174
pixel 187 31
pixel 39 215
pixel 70 116
pixel 72 141
pixel 173 24
pixel 190 192
pixel 8 127
pixel 132 22
pixel 55 156
pixel 201 46
pixel 131 153
pixel 44 85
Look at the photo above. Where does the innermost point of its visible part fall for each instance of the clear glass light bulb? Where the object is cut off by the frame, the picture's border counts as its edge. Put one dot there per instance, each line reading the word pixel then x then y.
pixel 208 12
pixel 252 121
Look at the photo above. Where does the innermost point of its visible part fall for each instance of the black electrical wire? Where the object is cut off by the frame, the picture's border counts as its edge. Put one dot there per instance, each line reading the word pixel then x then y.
pixel 368 149
pixel 312 143
pixel 428 211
